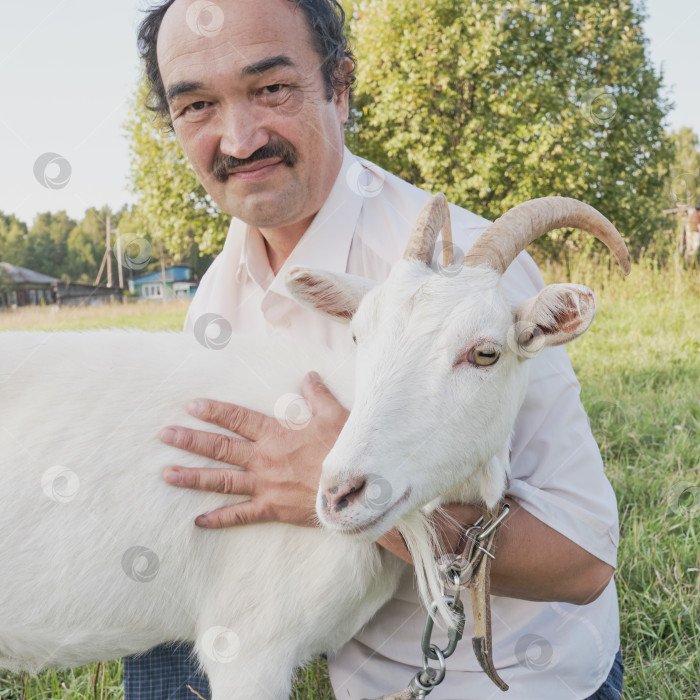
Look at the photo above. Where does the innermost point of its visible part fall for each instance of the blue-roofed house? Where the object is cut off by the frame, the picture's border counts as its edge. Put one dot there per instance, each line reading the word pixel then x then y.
pixel 173 283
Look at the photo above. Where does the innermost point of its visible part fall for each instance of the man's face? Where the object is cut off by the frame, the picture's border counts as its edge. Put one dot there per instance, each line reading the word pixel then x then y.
pixel 248 104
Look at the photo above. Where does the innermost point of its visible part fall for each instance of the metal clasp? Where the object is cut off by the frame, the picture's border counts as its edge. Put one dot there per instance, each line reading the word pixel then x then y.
pixel 492 525
pixel 454 634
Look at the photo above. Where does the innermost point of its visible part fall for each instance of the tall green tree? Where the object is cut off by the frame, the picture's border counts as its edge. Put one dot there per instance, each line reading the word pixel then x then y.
pixel 46 248
pixel 683 183
pixel 498 102
pixel 5 284
pixel 86 245
pixel 173 207
pixel 13 243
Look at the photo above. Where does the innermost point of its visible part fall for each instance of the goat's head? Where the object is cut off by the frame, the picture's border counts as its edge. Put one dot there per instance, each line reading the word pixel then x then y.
pixel 441 363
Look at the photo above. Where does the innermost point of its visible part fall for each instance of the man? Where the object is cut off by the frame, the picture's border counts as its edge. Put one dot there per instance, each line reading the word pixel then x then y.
pixel 690 243
pixel 694 218
pixel 258 93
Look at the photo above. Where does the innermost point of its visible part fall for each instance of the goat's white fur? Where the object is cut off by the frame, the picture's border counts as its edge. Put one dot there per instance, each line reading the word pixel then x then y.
pixel 256 600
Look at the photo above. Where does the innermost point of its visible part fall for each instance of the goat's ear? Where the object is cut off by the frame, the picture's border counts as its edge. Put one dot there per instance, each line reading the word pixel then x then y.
pixel 333 295
pixel 558 314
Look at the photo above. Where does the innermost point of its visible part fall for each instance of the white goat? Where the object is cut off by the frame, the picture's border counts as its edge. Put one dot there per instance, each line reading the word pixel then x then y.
pixel 100 558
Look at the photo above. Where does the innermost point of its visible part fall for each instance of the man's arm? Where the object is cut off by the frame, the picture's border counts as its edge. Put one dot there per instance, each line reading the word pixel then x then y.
pixel 281 473
pixel 533 561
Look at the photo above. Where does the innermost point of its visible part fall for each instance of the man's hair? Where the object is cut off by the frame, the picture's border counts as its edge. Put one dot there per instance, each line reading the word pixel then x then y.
pixel 325 19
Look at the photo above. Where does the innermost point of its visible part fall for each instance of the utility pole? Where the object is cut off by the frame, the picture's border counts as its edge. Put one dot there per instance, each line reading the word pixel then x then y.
pixel 120 269
pixel 162 271
pixel 108 231
pixel 102 267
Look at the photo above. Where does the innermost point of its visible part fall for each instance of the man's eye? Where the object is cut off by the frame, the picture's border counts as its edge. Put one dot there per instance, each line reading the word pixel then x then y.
pixel 270 89
pixel 195 111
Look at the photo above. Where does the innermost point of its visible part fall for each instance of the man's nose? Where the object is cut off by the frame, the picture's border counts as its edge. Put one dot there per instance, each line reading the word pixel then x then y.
pixel 243 133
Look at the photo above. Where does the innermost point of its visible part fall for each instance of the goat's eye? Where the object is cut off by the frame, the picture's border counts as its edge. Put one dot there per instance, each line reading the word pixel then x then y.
pixel 483 355
pixel 354 339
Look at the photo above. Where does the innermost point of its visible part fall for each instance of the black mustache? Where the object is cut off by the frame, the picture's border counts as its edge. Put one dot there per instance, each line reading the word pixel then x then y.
pixel 283 150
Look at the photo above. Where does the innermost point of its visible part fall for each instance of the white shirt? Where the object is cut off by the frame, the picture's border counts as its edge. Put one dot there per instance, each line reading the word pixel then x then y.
pixel 544 651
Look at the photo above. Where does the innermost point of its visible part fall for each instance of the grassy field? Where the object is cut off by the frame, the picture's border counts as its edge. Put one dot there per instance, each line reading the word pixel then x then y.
pixel 149 315
pixel 639 367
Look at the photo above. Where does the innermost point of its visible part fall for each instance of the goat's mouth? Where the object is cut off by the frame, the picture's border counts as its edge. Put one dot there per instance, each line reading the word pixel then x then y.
pixel 348 525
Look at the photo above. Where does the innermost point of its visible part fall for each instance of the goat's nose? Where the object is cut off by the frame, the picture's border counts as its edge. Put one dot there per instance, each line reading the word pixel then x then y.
pixel 343 494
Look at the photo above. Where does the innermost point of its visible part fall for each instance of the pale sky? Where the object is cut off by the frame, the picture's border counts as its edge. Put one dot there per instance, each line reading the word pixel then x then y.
pixel 68 67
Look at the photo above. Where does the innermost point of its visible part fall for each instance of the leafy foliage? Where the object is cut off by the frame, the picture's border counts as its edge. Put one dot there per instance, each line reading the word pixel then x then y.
pixel 13 239
pixel 495 103
pixel 58 246
pixel 5 281
pixel 683 183
pixel 43 247
pixel 172 204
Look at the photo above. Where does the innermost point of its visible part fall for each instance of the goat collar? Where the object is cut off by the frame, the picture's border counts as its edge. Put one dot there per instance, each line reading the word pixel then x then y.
pixel 481 549
pixel 471 566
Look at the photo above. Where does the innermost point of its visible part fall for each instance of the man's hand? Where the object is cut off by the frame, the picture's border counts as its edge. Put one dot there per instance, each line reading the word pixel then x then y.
pixel 281 465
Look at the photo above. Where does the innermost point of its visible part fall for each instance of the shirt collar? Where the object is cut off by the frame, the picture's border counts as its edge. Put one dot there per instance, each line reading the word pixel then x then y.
pixel 325 244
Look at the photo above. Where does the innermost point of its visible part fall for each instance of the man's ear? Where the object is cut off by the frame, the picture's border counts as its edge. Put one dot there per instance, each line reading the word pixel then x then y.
pixel 342 94
pixel 558 314
pixel 333 295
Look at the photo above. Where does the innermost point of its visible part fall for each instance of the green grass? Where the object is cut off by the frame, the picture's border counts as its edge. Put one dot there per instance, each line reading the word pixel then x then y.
pixel 98 681
pixel 639 367
pixel 151 315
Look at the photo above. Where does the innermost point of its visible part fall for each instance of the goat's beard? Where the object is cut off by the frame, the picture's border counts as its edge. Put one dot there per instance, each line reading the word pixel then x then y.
pixel 282 149
pixel 419 534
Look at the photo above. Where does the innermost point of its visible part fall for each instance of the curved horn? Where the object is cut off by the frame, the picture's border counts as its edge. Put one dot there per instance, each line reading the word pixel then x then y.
pixel 501 242
pixel 434 217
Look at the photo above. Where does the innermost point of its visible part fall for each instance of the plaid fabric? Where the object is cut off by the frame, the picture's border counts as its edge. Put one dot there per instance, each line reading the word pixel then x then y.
pixel 612 688
pixel 163 673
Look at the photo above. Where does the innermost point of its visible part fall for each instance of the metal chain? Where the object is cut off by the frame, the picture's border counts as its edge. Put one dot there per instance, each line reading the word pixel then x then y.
pixel 423 683
pixel 455 571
